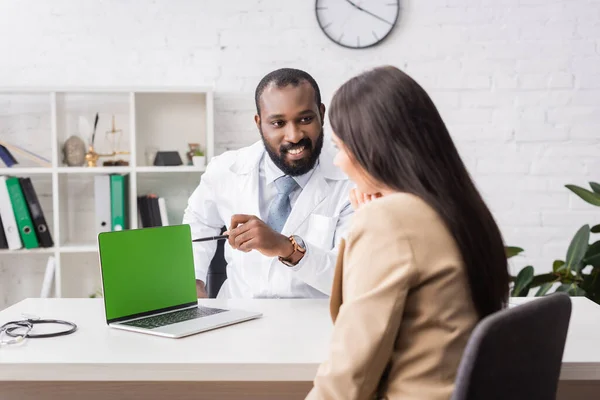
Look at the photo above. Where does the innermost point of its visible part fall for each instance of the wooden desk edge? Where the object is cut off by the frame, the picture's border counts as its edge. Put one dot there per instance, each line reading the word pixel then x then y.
pixel 205 372
pixel 159 372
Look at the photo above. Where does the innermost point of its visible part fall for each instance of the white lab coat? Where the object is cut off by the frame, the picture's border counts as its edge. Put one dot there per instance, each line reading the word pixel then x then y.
pixel 320 216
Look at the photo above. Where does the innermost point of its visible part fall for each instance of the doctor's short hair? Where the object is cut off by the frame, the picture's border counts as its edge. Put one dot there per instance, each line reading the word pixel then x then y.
pixel 282 78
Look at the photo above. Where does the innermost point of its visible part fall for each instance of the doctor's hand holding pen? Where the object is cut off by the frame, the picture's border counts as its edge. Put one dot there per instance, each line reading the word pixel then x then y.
pixel 248 232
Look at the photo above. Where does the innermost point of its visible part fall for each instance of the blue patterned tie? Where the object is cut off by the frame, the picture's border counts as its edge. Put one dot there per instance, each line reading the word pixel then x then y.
pixel 280 207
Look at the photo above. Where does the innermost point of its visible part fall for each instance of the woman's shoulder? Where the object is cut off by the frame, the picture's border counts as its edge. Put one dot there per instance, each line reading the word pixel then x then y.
pixel 395 210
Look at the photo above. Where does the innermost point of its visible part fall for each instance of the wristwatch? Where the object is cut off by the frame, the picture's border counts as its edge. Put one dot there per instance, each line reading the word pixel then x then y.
pixel 299 251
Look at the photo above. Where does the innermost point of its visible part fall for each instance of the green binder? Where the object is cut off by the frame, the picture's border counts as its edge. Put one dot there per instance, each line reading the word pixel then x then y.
pixel 24 222
pixel 119 185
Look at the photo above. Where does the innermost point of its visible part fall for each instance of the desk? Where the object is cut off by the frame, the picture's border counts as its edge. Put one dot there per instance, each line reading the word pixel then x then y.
pixel 274 357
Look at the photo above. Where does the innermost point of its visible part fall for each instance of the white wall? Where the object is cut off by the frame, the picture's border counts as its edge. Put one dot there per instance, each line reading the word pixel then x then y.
pixel 517 81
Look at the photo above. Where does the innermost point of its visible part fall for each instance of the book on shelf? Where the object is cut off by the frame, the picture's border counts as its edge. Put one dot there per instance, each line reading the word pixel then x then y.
pixel 152 211
pixel 7 157
pixel 23 220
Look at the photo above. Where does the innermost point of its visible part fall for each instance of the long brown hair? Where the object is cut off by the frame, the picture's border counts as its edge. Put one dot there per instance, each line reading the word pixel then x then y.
pixel 394 131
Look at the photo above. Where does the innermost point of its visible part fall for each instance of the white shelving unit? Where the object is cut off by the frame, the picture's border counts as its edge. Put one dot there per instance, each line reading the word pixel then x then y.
pixel 152 119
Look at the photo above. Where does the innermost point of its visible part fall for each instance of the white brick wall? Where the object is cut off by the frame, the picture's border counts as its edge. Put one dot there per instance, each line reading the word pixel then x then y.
pixel 518 81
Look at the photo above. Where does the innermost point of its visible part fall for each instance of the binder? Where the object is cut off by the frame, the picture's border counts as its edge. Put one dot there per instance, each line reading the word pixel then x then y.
pixel 143 208
pixel 154 210
pixel 37 215
pixel 102 203
pixel 118 201
pixel 22 216
pixel 149 208
pixel 11 229
pixel 3 242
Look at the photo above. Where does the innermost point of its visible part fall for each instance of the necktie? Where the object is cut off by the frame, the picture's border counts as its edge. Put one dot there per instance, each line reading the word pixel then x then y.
pixel 280 207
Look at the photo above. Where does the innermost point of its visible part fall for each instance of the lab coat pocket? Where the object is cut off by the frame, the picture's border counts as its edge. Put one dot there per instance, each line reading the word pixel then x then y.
pixel 321 230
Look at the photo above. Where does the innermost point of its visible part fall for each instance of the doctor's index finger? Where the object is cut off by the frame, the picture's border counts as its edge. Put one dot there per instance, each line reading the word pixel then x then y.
pixel 238 219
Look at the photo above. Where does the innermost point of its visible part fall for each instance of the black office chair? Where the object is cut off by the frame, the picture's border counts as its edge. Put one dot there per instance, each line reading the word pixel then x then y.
pixel 516 354
pixel 217 271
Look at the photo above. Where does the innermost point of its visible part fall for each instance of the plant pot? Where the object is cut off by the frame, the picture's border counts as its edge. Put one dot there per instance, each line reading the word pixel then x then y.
pixel 199 161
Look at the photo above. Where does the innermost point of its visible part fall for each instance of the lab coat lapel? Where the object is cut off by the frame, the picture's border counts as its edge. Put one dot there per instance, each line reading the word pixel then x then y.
pixel 246 192
pixel 248 196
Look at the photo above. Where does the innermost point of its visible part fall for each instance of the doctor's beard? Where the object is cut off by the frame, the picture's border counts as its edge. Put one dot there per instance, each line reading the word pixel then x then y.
pixel 296 167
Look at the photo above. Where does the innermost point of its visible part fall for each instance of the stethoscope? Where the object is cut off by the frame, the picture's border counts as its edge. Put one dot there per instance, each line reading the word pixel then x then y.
pixel 21 330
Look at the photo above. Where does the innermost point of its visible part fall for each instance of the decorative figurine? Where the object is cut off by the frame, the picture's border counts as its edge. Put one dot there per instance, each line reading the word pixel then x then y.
pixel 74 151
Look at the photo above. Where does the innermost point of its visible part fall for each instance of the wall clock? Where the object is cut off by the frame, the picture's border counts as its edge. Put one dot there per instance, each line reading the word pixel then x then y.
pixel 357 24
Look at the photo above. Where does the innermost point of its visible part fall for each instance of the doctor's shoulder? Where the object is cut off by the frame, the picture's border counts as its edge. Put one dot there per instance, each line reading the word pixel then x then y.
pixel 220 165
pixel 236 161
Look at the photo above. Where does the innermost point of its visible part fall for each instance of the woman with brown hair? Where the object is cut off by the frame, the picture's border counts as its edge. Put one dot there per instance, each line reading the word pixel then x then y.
pixel 423 261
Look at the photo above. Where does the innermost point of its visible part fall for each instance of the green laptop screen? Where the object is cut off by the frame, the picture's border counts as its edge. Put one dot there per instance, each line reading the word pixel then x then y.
pixel 146 270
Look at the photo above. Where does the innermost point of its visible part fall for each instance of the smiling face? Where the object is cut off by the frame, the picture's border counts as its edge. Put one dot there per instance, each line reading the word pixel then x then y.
pixel 291 126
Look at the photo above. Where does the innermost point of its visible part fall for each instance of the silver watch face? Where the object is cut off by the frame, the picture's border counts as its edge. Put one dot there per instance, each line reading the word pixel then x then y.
pixel 299 240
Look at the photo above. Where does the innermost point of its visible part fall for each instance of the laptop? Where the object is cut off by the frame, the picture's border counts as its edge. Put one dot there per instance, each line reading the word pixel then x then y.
pixel 149 284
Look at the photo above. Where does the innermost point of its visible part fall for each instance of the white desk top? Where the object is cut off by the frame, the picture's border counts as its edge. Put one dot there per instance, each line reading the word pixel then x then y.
pixel 287 344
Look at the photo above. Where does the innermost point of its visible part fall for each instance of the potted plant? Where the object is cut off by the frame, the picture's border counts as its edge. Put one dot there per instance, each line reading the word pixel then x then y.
pixel 578 274
pixel 198 158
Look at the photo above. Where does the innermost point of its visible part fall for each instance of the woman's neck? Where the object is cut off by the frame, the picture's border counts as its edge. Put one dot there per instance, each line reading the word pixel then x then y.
pixel 387 191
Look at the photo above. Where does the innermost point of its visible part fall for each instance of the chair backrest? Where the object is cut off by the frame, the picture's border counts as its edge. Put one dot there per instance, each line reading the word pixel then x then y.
pixel 516 353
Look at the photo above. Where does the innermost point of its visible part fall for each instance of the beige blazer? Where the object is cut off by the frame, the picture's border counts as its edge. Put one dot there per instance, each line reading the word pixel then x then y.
pixel 401 306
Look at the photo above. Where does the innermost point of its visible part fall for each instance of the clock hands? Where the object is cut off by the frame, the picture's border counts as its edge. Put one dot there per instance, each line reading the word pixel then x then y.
pixel 367 12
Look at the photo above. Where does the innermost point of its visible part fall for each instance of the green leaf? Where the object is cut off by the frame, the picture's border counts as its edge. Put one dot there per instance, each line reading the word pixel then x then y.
pixel 512 251
pixel 592 255
pixel 595 229
pixel 563 288
pixel 543 289
pixel 586 195
pixel 522 282
pixel 595 187
pixel 571 289
pixel 577 248
pixel 575 290
pixel 541 279
pixel 558 265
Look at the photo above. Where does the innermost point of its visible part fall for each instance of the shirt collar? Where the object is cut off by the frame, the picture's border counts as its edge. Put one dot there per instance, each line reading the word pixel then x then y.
pixel 272 172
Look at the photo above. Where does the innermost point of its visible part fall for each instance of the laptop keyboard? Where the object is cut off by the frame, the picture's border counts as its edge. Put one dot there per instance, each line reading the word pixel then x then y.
pixel 173 317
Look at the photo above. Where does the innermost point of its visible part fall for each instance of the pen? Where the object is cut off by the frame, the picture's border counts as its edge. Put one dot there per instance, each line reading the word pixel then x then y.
pixel 206 239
